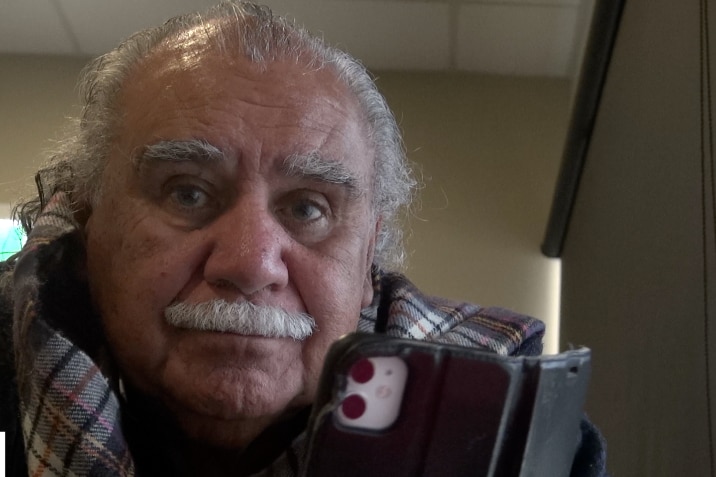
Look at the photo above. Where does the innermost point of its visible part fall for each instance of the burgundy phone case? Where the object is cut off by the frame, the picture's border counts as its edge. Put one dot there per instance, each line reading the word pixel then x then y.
pixel 464 413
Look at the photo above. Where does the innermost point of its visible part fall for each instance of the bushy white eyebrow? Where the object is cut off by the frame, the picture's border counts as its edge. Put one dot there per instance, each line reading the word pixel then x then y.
pixel 313 166
pixel 179 151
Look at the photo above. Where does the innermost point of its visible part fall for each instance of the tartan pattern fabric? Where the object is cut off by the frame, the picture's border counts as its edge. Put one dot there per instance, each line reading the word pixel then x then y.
pixel 71 414
pixel 71 421
pixel 408 313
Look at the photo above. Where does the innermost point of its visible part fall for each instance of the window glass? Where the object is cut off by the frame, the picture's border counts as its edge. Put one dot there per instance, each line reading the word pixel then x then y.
pixel 12 238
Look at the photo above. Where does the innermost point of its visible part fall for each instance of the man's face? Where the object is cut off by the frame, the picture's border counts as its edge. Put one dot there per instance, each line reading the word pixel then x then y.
pixel 237 225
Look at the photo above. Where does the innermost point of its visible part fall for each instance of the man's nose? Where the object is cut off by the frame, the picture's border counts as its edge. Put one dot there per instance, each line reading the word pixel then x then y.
pixel 248 247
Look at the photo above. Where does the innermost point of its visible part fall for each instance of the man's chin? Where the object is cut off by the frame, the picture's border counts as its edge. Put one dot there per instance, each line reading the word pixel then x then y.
pixel 232 426
pixel 231 414
pixel 224 433
pixel 229 377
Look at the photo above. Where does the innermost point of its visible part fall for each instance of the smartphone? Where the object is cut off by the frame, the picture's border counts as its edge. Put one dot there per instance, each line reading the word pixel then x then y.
pixel 402 408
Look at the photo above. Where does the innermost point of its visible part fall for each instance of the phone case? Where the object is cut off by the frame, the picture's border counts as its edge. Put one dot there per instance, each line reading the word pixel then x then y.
pixel 460 412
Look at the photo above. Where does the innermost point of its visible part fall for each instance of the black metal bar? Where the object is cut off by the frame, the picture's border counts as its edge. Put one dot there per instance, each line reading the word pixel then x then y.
pixel 597 55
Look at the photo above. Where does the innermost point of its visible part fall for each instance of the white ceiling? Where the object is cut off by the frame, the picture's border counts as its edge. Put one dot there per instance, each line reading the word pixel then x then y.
pixel 520 37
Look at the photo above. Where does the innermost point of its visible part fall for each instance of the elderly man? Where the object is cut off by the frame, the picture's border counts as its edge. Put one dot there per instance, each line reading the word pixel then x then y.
pixel 222 213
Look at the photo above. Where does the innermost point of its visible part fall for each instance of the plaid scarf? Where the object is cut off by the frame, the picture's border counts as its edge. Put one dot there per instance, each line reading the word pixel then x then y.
pixel 70 412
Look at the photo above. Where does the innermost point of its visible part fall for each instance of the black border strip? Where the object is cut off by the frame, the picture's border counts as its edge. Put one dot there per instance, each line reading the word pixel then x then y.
pixel 597 55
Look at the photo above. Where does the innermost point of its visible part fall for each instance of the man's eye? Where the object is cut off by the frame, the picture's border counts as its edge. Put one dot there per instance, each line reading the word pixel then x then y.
pixel 190 202
pixel 189 197
pixel 306 215
pixel 306 211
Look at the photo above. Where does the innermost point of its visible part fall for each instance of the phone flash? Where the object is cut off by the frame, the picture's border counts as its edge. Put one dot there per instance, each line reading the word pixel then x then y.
pixel 374 393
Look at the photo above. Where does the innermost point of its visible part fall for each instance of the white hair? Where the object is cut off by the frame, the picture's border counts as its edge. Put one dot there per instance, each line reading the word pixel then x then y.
pixel 232 28
pixel 243 318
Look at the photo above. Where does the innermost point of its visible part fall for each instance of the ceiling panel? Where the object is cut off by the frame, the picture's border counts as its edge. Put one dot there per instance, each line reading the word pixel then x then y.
pixel 523 37
pixel 100 25
pixel 31 27
pixel 396 35
pixel 516 40
pixel 387 35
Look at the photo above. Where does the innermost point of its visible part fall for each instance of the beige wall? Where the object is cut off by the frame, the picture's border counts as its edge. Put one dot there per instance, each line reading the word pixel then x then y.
pixel 36 94
pixel 488 148
pixel 640 258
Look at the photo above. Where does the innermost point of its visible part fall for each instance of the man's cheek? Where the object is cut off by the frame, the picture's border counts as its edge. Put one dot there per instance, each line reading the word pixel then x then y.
pixel 316 347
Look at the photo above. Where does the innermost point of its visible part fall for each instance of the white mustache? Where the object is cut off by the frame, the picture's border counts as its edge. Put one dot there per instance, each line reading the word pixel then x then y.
pixel 243 318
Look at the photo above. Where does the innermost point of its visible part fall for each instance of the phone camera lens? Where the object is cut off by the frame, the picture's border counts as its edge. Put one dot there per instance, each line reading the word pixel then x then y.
pixel 353 406
pixel 362 371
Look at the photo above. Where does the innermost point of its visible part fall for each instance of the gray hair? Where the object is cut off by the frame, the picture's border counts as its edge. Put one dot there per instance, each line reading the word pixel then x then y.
pixel 77 163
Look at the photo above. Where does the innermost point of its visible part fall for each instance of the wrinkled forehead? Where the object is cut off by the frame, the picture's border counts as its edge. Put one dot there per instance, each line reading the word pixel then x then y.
pixel 191 72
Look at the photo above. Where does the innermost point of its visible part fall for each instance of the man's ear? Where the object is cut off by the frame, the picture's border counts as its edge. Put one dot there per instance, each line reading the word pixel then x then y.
pixel 368 282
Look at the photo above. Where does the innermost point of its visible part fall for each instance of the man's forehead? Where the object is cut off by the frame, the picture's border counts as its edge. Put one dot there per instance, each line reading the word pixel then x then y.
pixel 215 46
pixel 194 61
pixel 185 77
pixel 189 49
